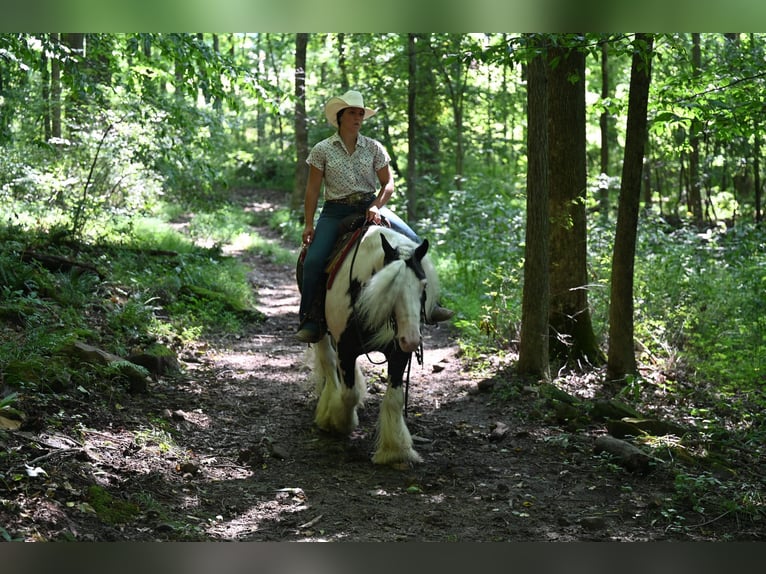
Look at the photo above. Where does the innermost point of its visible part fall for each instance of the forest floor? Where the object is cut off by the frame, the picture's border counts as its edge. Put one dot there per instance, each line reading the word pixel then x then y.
pixel 226 450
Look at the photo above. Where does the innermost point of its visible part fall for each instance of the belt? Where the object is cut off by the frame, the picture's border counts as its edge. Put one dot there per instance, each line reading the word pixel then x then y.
pixel 354 199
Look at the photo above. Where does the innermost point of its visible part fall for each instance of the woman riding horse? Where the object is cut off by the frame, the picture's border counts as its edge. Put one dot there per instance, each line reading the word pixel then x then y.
pixel 351 166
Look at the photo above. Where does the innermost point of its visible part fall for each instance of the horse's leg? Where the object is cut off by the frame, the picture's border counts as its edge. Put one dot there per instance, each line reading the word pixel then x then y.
pixel 394 440
pixel 353 386
pixel 344 390
pixel 327 384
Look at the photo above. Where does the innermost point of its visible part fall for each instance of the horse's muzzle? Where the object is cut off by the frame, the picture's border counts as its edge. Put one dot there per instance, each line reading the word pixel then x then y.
pixel 409 344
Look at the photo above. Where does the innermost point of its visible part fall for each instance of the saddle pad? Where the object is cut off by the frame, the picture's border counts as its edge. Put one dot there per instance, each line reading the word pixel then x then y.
pixel 344 246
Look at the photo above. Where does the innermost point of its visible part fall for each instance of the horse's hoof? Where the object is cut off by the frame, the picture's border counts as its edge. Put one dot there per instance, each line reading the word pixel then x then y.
pixel 396 459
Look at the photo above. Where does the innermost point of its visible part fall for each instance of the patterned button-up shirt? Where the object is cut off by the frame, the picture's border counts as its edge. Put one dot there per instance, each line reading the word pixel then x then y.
pixel 344 173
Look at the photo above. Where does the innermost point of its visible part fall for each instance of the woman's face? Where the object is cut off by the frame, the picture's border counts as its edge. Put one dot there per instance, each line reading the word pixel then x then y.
pixel 352 118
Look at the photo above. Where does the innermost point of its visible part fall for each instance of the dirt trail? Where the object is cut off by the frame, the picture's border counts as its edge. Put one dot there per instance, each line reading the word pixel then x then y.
pixel 228 451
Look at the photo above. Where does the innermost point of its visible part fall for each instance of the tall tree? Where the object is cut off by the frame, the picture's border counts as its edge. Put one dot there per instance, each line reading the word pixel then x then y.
pixel 55 91
pixel 621 356
pixel 533 347
pixel 412 133
pixel 695 180
pixel 45 81
pixel 342 64
pixel 572 337
pixel 603 188
pixel 301 130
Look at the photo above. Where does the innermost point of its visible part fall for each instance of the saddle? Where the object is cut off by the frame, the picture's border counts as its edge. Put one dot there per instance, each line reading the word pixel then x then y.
pixel 350 230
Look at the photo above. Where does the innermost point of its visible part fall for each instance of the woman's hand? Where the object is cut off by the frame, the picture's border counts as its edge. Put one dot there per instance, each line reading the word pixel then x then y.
pixel 308 234
pixel 373 214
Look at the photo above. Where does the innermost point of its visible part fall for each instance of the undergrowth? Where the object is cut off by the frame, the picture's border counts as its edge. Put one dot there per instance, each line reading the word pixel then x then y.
pixel 141 281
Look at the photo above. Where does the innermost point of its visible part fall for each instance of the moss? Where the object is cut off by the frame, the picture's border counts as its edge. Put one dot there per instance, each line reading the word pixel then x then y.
pixel 111 509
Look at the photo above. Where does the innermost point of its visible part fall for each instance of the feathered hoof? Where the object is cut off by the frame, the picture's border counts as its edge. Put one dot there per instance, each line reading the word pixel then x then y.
pixel 343 426
pixel 384 456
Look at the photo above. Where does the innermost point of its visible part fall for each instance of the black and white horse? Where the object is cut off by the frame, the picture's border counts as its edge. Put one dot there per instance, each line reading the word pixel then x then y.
pixel 376 303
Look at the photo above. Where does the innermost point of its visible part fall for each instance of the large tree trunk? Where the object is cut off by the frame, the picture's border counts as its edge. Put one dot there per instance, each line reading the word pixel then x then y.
pixel 533 348
pixel 622 360
pixel 301 130
pixel 572 337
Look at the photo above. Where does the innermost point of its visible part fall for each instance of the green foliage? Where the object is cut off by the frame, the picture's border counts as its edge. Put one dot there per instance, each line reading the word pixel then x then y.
pixel 479 248
pixel 158 285
pixel 699 302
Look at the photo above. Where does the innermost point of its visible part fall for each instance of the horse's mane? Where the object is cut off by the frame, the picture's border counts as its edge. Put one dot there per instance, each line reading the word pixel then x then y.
pixel 385 285
pixel 377 298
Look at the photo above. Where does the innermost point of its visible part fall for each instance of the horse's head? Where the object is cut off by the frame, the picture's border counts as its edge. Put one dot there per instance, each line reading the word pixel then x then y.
pixel 408 291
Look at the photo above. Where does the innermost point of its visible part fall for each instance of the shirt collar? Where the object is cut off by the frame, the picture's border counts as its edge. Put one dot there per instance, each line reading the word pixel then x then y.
pixel 361 141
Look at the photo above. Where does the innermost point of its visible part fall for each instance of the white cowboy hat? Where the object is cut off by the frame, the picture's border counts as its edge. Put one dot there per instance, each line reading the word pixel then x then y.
pixel 351 99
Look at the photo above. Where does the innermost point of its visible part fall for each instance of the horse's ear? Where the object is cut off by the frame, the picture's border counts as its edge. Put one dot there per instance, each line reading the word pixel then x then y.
pixel 421 250
pixel 390 252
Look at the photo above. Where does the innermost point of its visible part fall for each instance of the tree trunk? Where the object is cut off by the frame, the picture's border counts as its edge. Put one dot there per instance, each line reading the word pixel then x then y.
pixel 695 183
pixel 55 89
pixel 603 190
pixel 178 77
pixel 621 359
pixel 45 81
pixel 342 64
pixel 301 129
pixel 572 337
pixel 533 347
pixel 757 171
pixel 412 133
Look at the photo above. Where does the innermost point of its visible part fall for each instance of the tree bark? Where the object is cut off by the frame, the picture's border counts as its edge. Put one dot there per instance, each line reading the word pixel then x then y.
pixel 757 171
pixel 45 81
pixel 621 357
pixel 603 190
pixel 695 183
pixel 572 337
pixel 412 133
pixel 55 93
pixel 301 130
pixel 533 347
